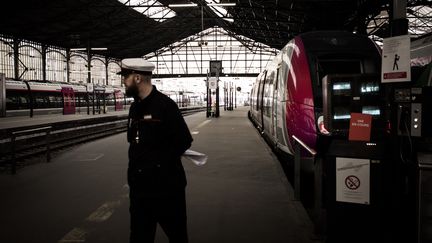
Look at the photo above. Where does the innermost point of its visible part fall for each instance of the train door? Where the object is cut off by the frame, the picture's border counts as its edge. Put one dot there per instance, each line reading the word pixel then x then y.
pixel 118 96
pixel 68 100
pixel 253 99
pixel 280 100
pixel 274 105
pixel 268 102
pixel 260 101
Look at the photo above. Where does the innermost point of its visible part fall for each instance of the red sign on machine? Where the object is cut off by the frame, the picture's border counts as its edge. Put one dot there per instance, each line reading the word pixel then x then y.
pixel 360 127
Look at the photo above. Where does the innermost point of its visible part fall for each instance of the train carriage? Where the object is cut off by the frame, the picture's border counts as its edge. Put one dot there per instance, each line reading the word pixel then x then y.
pixel 287 96
pixel 28 98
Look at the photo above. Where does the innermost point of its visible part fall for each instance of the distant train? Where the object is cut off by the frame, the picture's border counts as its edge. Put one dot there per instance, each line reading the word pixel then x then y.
pixel 287 99
pixel 27 98
pixel 33 98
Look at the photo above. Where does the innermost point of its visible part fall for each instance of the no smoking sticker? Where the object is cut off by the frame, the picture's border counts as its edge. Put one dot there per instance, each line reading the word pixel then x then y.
pixel 352 182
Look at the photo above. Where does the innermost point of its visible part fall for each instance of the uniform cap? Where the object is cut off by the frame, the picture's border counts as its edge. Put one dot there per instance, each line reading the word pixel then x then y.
pixel 137 65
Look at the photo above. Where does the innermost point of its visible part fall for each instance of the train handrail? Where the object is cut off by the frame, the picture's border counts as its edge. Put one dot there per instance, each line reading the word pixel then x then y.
pixel 318 194
pixel 297 165
pixel 309 149
pixel 33 131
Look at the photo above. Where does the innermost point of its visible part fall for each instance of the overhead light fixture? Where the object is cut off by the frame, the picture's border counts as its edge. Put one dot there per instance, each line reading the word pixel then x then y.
pixel 222 4
pixel 186 5
pixel 80 71
pixel 183 5
pixel 228 19
pixel 93 49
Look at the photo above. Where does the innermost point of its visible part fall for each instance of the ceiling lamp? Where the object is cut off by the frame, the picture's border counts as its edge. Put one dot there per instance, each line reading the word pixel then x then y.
pixel 182 5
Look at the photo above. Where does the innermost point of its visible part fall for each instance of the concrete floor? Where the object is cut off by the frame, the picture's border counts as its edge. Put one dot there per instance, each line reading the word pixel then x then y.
pixel 240 195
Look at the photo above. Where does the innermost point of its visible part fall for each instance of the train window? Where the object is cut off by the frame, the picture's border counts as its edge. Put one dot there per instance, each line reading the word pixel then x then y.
pixel 16 100
pixel 81 100
pixel 270 78
pixel 277 78
pixel 55 101
pixel 331 65
pixel 39 101
pixel 341 66
pixel 43 100
pixel 23 102
pixel 348 93
pixel 12 103
pixel 129 100
pixel 109 99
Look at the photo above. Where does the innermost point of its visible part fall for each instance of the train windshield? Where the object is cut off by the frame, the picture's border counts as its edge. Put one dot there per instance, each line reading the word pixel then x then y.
pixel 341 66
pixel 329 65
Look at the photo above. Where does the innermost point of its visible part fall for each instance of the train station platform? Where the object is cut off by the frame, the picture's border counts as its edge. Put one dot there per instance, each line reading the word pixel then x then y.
pixel 25 121
pixel 240 195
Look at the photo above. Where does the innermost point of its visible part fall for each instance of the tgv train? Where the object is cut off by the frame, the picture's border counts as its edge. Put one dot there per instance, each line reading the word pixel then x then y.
pixel 38 98
pixel 287 97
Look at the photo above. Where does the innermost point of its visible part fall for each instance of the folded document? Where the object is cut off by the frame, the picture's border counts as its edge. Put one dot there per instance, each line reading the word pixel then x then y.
pixel 196 157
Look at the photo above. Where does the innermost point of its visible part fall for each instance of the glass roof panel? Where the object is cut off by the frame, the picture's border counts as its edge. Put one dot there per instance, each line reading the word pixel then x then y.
pixel 419 21
pixel 150 8
pixel 220 11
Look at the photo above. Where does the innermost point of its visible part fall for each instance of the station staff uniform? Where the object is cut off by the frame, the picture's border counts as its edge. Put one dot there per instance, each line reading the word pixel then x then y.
pixel 158 136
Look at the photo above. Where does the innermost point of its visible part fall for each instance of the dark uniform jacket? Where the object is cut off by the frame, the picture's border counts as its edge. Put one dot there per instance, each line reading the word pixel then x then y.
pixel 158 136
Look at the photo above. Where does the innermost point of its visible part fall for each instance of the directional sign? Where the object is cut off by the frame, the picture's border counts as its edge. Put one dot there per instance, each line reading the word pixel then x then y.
pixel 213 83
pixel 90 87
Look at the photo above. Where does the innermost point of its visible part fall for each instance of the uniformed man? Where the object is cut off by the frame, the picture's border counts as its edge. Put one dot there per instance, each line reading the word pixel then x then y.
pixel 157 136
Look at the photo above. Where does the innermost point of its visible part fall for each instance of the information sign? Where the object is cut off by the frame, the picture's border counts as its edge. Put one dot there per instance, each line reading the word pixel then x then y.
pixel 213 83
pixel 360 127
pixel 353 180
pixel 396 59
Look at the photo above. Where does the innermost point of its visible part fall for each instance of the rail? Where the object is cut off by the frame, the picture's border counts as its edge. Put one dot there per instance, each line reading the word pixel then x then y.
pixel 23 142
pixel 318 171
pixel 300 142
pixel 30 133
pixel 190 110
pixel 297 163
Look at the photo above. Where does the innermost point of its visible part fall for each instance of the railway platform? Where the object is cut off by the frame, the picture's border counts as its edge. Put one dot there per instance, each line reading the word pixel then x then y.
pixel 240 195
pixel 25 121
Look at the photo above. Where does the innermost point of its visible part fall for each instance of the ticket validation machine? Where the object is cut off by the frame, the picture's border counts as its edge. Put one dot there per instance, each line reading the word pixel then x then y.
pixel 413 125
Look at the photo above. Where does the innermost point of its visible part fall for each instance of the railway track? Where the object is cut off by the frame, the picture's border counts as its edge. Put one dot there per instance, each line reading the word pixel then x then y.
pixel 19 144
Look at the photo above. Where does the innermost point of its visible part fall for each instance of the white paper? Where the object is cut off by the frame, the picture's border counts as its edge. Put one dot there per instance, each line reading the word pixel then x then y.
pixel 196 157
pixel 353 180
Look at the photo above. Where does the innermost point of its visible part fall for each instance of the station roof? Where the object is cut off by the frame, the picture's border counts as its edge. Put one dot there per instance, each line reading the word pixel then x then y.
pixel 129 28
